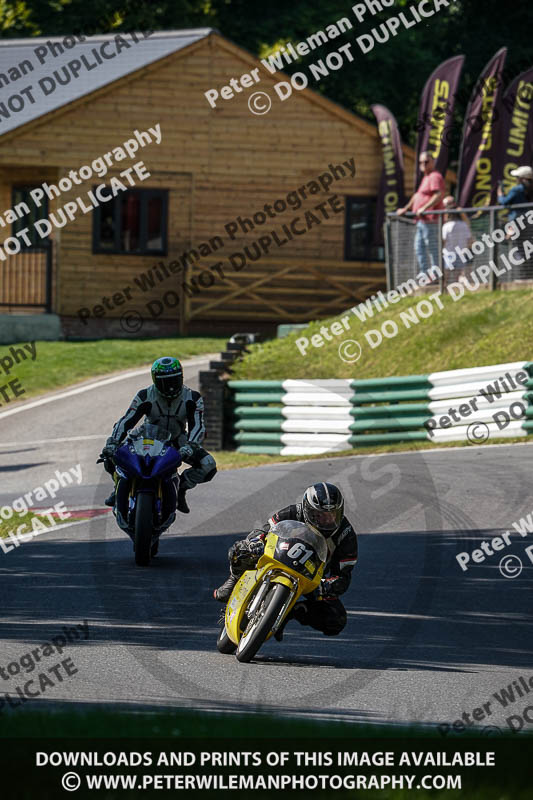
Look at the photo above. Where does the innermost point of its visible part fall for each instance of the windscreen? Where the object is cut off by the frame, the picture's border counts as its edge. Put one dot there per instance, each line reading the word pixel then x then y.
pixel 298 530
pixel 150 431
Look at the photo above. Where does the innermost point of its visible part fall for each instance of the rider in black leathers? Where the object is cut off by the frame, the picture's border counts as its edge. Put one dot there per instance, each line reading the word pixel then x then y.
pixel 322 508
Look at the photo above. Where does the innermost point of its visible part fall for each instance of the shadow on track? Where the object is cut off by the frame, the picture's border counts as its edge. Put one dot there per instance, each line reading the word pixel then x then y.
pixel 169 606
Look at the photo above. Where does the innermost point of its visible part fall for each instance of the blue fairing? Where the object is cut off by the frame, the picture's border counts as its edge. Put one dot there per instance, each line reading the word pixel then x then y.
pixel 168 462
pixel 128 461
pixel 146 466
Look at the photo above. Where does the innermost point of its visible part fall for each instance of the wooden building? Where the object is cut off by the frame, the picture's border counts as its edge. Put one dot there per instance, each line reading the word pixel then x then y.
pixel 214 169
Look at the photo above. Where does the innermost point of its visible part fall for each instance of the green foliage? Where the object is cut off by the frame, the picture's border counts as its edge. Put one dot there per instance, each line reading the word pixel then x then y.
pixel 481 328
pixel 63 363
pixel 15 19
pixel 392 73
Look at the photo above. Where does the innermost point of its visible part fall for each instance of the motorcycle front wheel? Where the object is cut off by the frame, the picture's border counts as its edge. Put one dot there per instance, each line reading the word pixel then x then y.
pixel 143 529
pixel 224 643
pixel 261 624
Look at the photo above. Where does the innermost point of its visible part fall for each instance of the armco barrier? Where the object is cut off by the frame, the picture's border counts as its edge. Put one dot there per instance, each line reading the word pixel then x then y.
pixel 296 417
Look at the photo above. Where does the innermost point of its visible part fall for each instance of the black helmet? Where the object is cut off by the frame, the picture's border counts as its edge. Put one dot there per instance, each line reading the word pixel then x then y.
pixel 167 375
pixel 323 507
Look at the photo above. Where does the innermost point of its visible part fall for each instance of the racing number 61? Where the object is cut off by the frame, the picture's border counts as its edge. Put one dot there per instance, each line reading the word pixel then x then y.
pixel 299 553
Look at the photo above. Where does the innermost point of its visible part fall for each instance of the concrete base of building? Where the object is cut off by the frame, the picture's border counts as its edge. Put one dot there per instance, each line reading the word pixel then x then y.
pixel 30 327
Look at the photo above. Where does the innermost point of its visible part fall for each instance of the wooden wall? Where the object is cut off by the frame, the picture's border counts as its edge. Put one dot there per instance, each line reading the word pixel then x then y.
pixel 217 164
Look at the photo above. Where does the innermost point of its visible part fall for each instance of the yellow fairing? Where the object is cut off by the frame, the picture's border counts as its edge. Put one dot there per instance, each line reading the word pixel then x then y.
pixel 249 582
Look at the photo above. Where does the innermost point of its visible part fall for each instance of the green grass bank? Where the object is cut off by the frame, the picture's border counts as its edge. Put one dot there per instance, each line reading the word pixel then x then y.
pixel 481 328
pixel 60 364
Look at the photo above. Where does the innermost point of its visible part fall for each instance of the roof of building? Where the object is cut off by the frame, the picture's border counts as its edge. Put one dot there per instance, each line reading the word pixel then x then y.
pixel 52 84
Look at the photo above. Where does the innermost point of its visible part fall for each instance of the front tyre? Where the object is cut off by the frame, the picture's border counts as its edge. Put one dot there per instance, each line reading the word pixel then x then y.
pixel 261 624
pixel 143 529
pixel 224 643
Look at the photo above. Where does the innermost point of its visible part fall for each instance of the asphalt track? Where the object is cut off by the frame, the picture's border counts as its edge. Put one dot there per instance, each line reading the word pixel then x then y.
pixel 424 640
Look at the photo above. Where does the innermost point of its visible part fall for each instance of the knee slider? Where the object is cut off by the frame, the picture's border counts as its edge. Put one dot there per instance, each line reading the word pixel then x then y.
pixel 210 475
pixel 209 467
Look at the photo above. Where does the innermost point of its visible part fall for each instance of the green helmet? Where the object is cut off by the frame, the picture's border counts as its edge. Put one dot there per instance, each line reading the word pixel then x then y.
pixel 167 375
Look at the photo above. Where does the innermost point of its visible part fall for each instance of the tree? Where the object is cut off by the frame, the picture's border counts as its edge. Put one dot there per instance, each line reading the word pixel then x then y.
pixel 392 73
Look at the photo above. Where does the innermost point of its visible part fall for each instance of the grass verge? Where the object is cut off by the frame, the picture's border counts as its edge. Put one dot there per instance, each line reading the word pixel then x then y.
pixel 27 519
pixel 60 364
pixel 229 459
pixel 481 328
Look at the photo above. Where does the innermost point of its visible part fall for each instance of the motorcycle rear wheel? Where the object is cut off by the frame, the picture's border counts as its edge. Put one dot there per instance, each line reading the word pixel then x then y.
pixel 262 622
pixel 143 529
pixel 224 643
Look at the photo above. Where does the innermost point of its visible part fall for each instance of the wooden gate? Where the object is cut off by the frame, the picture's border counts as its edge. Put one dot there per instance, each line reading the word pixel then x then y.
pixel 26 279
pixel 288 290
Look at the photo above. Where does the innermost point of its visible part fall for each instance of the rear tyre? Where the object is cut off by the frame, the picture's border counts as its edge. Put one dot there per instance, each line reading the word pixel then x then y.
pixel 224 643
pixel 143 529
pixel 261 624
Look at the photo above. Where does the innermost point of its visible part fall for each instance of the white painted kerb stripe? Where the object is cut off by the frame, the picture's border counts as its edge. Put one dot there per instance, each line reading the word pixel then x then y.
pixel 97 385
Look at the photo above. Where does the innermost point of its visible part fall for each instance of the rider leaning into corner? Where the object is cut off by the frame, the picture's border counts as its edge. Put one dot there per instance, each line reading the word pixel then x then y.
pixel 180 411
pixel 322 508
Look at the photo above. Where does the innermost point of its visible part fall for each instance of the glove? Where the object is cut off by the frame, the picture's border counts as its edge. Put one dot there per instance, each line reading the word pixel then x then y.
pixel 256 547
pixel 108 451
pixel 187 450
pixel 326 587
pixel 242 556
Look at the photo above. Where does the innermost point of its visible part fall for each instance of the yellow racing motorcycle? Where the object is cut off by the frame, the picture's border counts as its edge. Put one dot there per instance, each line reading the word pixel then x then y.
pixel 291 565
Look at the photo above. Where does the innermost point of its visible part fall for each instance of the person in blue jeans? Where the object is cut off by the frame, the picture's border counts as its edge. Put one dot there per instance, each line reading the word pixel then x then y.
pixel 428 196
pixel 522 192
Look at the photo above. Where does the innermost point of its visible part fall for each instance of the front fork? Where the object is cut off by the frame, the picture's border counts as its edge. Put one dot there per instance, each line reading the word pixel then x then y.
pixel 132 498
pixel 270 577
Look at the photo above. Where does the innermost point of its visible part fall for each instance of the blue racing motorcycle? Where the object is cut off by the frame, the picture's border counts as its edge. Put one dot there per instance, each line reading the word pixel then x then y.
pixel 146 488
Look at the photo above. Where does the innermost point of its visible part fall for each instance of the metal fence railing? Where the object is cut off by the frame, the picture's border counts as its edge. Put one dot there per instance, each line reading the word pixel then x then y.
pixel 486 247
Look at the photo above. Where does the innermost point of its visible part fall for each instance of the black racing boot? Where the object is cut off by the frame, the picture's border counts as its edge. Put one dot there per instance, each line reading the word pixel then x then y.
pixel 181 504
pixel 222 594
pixel 110 501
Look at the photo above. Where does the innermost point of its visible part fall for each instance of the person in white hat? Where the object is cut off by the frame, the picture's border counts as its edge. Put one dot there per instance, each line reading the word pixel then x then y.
pixel 522 192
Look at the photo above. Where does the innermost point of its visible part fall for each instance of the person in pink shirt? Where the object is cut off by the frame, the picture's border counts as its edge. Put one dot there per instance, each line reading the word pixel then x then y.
pixel 428 196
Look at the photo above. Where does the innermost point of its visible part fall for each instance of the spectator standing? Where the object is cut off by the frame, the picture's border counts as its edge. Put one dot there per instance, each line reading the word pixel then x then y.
pixel 521 192
pixel 455 232
pixel 428 196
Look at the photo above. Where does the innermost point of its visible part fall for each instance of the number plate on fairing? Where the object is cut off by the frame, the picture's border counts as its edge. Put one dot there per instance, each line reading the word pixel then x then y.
pixel 298 555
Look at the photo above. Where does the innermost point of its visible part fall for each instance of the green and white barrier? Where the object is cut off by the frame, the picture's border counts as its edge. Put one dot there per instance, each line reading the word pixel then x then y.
pixel 297 417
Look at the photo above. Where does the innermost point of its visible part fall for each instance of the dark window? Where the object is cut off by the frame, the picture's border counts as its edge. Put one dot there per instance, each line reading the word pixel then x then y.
pixel 133 222
pixel 27 219
pixel 362 240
